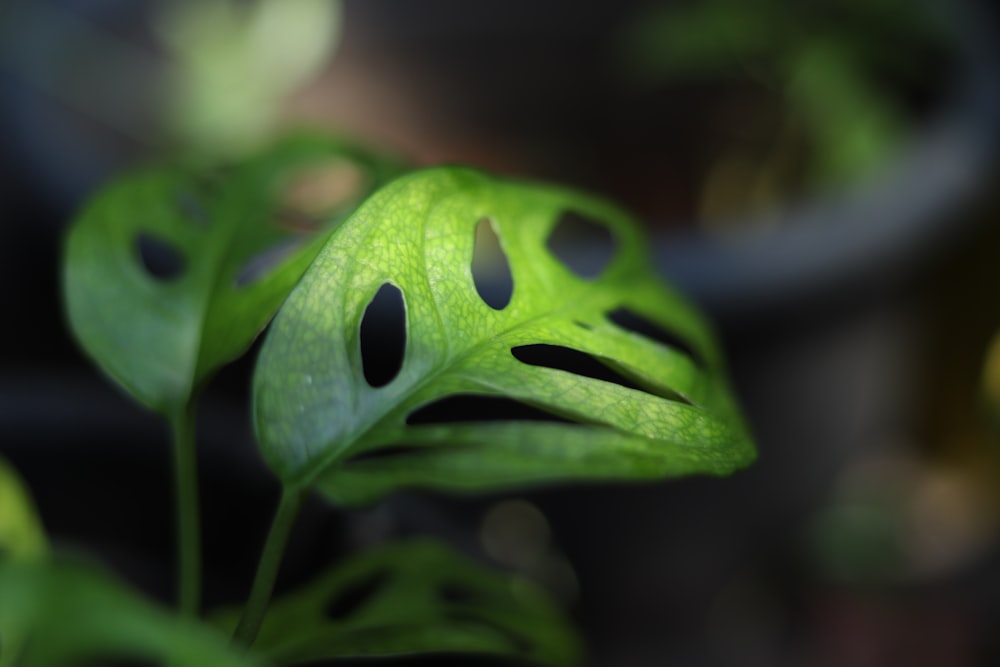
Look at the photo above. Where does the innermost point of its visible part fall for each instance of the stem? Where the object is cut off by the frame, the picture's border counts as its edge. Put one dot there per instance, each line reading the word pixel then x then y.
pixel 267 570
pixel 188 520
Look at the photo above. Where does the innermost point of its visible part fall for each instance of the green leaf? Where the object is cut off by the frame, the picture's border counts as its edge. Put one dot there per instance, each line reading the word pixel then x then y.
pixel 172 272
pixel 414 597
pixel 319 422
pixel 22 539
pixel 854 124
pixel 69 615
pixel 707 39
pixel 21 534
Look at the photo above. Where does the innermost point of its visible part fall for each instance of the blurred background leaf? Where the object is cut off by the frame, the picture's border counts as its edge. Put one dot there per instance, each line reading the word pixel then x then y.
pixel 171 272
pixel 836 66
pixel 234 63
pixel 22 536
pixel 415 597
pixel 69 614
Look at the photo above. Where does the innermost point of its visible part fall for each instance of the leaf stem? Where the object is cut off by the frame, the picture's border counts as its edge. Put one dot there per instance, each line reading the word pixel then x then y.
pixel 267 570
pixel 188 520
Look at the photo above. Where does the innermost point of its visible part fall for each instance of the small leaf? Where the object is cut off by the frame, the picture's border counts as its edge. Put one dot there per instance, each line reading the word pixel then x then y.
pixel 170 273
pixel 22 539
pixel 319 421
pixel 414 597
pixel 21 533
pixel 70 615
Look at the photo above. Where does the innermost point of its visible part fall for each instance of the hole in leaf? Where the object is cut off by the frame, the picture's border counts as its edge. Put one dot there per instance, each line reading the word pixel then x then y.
pixel 580 363
pixel 355 596
pixel 572 361
pixel 383 336
pixel 191 207
pixel 631 321
pixel 451 593
pixel 161 259
pixel 516 641
pixel 490 268
pixel 260 264
pixel 475 408
pixel 582 244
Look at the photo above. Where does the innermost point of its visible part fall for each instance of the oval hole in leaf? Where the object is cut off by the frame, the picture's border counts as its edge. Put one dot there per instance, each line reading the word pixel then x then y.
pixel 476 408
pixel 161 259
pixel 383 336
pixel 582 244
pixel 352 598
pixel 580 363
pixel 631 321
pixel 452 593
pixel 490 268
pixel 260 264
pixel 572 361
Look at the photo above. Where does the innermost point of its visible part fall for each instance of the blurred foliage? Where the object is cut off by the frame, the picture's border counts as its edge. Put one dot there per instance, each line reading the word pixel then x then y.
pixel 414 597
pixel 212 83
pixel 838 66
pixel 858 539
pixel 235 62
pixel 172 272
pixel 56 614
pixel 991 379
pixel 896 518
pixel 21 534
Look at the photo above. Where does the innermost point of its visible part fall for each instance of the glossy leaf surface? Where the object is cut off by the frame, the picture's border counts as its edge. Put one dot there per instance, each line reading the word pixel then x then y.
pixel 171 272
pixel 321 423
pixel 71 615
pixel 415 597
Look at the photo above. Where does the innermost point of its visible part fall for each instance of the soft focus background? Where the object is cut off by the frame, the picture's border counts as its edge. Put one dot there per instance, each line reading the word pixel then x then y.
pixel 821 176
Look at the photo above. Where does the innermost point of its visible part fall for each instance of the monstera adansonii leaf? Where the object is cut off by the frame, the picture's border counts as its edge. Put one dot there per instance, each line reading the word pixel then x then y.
pixel 414 597
pixel 170 272
pixel 644 394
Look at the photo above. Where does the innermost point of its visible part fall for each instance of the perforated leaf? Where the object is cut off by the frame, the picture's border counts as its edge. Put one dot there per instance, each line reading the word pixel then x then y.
pixel 320 422
pixel 171 272
pixel 69 614
pixel 415 597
